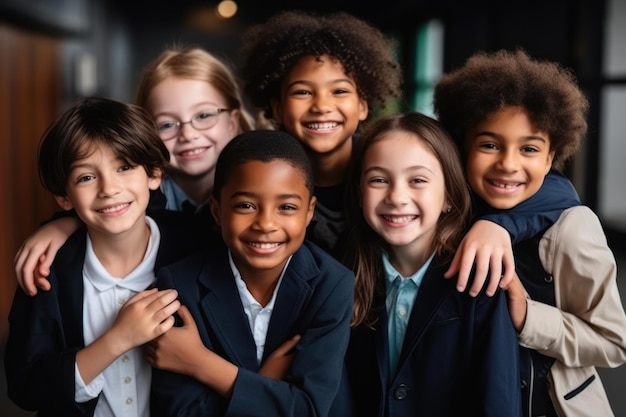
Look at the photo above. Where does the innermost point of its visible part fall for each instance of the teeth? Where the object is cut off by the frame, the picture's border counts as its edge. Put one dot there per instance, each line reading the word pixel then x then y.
pixel 399 219
pixel 503 185
pixel 322 126
pixel 263 245
pixel 113 209
pixel 193 152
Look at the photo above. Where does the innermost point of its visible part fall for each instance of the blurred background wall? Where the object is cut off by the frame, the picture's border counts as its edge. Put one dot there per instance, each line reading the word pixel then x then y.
pixel 53 51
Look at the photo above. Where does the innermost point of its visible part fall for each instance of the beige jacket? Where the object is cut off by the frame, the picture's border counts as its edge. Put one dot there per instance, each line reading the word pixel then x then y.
pixel 587 328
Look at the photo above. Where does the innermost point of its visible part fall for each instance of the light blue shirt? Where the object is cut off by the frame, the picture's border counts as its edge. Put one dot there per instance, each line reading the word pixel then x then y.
pixel 175 195
pixel 401 294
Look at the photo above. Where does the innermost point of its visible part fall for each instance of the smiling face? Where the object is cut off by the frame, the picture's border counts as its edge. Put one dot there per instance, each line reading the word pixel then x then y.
pixel 193 153
pixel 320 106
pixel 508 158
pixel 108 194
pixel 263 211
pixel 402 192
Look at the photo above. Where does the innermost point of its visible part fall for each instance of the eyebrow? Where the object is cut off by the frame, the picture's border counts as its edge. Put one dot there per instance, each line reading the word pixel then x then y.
pixel 411 168
pixel 286 196
pixel 335 81
pixel 495 135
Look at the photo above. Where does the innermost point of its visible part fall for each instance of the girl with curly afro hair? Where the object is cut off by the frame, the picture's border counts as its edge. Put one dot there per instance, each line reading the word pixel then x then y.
pixel 318 77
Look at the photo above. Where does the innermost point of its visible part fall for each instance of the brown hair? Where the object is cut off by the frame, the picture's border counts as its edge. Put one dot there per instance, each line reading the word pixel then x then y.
pixel 271 49
pixel 128 129
pixel 489 82
pixel 365 256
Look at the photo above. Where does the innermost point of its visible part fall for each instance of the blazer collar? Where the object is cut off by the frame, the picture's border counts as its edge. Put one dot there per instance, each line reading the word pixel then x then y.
pixel 221 305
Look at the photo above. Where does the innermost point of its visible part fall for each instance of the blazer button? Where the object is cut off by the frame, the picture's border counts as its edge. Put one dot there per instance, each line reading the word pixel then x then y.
pixel 524 384
pixel 401 392
pixel 548 279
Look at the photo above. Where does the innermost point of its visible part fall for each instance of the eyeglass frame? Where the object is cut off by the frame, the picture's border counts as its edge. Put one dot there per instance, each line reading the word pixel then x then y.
pixel 179 124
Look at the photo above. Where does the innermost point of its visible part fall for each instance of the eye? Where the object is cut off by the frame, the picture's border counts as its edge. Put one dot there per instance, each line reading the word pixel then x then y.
pixel 244 206
pixel 488 145
pixel 530 149
pixel 418 181
pixel 126 167
pixel 85 178
pixel 300 92
pixel 206 114
pixel 340 91
pixel 168 125
pixel 288 207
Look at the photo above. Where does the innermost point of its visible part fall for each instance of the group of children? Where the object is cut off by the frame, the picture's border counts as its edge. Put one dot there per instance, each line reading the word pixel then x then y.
pixel 310 278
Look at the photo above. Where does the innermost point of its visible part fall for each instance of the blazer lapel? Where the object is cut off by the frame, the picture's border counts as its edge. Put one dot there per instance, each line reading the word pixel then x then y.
pixel 432 293
pixel 224 313
pixel 69 272
pixel 293 295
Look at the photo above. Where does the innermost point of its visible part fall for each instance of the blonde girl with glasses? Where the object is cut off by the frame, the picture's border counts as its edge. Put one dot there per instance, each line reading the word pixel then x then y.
pixel 196 102
pixel 197 105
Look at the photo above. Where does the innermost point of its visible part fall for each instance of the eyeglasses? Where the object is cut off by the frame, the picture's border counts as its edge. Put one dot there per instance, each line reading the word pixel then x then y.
pixel 206 119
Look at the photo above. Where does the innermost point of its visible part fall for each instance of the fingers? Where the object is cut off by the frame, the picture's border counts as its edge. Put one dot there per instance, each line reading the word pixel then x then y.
pixel 465 268
pixel 509 269
pixel 24 267
pixel 454 265
pixel 288 346
pixel 186 317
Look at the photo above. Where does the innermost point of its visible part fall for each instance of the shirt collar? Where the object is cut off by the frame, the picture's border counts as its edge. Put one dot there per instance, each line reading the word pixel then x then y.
pixel 140 278
pixel 246 298
pixel 391 274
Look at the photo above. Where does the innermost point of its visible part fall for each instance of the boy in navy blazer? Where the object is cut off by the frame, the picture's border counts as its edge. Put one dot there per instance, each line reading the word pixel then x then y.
pixel 75 350
pixel 265 286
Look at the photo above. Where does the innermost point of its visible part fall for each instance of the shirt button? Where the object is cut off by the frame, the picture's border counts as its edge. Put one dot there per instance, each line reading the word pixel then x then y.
pixel 402 311
pixel 127 380
pixel 121 301
pixel 401 392
pixel 129 401
pixel 125 358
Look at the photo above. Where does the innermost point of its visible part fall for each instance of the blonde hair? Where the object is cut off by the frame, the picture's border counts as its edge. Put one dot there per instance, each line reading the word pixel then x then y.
pixel 197 64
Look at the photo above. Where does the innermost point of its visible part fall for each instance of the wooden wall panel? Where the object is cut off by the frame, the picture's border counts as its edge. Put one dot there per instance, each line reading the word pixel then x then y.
pixel 31 96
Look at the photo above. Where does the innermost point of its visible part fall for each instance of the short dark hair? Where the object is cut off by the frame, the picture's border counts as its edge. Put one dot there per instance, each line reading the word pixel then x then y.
pixel 271 49
pixel 489 82
pixel 265 146
pixel 128 129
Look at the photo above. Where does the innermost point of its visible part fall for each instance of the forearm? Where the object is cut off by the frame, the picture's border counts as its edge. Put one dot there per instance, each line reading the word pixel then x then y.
pixel 97 356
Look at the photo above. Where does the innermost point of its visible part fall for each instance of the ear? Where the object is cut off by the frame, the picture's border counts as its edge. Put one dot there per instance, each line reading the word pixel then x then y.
pixel 233 122
pixel 311 212
pixel 549 161
pixel 215 209
pixel 154 181
pixel 363 109
pixel 277 113
pixel 64 202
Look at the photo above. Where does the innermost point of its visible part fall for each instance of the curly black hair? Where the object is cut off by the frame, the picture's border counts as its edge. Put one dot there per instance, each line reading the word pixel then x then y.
pixel 489 82
pixel 271 49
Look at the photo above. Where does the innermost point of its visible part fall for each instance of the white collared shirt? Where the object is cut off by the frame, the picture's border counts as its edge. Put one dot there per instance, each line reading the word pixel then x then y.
pixel 258 316
pixel 125 384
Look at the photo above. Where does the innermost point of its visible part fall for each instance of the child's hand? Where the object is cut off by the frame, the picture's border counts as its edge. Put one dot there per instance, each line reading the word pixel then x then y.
pixel 487 245
pixel 516 295
pixel 278 362
pixel 179 348
pixel 35 256
pixel 145 316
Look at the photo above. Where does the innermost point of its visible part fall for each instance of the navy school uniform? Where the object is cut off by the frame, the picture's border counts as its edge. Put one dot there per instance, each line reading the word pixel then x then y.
pixel 46 330
pixel 459 357
pixel 315 300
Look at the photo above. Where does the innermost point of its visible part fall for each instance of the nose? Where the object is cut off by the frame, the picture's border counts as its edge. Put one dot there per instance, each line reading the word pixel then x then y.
pixel 508 161
pixel 396 195
pixel 187 132
pixel 265 221
pixel 321 104
pixel 109 186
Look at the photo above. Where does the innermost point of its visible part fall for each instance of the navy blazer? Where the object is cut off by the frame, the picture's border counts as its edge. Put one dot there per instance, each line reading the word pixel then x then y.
pixel 46 331
pixel 315 300
pixel 459 357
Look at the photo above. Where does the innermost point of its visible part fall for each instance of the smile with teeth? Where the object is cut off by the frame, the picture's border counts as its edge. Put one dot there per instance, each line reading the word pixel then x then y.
pixel 193 152
pixel 505 185
pixel 113 209
pixel 398 219
pixel 264 245
pixel 322 126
